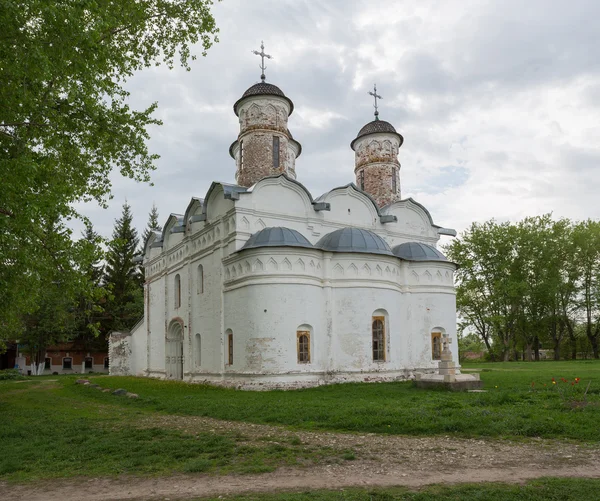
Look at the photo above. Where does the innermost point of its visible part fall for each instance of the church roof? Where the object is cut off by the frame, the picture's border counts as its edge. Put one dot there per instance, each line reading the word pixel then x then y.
pixel 375 127
pixel 354 240
pixel 415 251
pixel 277 236
pixel 263 89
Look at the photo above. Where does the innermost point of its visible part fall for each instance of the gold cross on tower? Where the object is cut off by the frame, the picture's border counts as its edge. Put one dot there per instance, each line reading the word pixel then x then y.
pixel 376 97
pixel 262 59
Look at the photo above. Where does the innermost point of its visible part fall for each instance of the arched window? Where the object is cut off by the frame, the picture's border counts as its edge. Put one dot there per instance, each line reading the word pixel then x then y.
pixel 303 347
pixel 437 335
pixel 200 278
pixel 177 291
pixel 378 333
pixel 229 346
pixel 198 350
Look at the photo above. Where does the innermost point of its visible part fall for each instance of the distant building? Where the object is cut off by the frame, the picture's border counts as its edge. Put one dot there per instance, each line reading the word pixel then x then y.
pixel 66 358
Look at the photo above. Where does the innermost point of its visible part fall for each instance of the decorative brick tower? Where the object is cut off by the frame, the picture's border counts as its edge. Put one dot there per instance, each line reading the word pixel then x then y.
pixel 377 168
pixel 264 146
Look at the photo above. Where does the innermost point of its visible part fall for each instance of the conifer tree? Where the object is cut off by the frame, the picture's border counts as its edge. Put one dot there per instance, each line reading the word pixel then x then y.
pixel 152 225
pixel 90 308
pixel 122 279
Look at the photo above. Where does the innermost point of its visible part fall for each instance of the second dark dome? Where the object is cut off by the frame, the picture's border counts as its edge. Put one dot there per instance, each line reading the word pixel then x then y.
pixel 374 127
pixel 263 89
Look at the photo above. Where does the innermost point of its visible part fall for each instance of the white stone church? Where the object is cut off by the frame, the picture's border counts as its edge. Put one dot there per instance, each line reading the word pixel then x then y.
pixel 259 284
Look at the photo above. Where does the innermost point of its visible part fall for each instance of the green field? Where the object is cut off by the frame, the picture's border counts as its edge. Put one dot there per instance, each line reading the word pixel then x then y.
pixel 60 429
pixel 511 407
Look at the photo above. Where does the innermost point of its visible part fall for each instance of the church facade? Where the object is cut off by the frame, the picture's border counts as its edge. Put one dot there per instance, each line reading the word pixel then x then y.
pixel 259 284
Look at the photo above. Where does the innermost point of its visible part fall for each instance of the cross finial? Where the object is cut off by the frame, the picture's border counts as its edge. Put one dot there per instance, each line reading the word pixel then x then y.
pixel 262 59
pixel 376 97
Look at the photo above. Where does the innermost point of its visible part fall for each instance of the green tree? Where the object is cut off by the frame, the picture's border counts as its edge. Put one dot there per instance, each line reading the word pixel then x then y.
pixel 587 241
pixel 152 226
pixel 90 310
pixel 63 298
pixel 489 285
pixel 65 122
pixel 122 278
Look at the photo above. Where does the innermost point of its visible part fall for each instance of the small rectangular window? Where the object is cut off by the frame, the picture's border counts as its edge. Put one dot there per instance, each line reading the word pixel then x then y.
pixel 436 345
pixel 48 363
pixel 67 363
pixel 89 363
pixel 177 291
pixel 200 288
pixel 276 152
pixel 242 154
pixel 394 185
pixel 230 348
pixel 361 179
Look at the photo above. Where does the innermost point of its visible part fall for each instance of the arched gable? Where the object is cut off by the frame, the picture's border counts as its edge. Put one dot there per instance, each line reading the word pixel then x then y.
pixel 220 198
pixel 153 237
pixel 174 221
pixel 194 208
pixel 351 206
pixel 282 195
pixel 412 218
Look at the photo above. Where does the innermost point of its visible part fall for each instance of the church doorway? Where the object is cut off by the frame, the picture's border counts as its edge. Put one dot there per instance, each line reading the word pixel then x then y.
pixel 174 351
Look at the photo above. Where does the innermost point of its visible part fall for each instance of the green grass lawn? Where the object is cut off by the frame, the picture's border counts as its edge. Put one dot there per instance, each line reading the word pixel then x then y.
pixel 538 490
pixel 52 429
pixel 511 407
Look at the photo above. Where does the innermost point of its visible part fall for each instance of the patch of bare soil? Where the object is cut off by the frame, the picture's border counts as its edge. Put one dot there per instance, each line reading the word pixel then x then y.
pixel 380 461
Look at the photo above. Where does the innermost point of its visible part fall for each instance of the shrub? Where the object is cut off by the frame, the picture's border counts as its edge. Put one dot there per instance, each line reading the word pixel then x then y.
pixel 7 374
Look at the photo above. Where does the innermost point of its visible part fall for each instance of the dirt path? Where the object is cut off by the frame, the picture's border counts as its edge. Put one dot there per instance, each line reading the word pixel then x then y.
pixel 380 461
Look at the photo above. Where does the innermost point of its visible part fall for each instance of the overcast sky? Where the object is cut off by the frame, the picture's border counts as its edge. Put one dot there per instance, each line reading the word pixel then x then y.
pixel 498 103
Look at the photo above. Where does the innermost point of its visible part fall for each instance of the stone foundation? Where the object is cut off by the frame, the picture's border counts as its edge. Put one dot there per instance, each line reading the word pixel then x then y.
pixel 264 382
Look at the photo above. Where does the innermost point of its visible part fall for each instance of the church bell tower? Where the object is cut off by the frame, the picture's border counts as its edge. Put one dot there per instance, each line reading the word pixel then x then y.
pixel 264 146
pixel 377 168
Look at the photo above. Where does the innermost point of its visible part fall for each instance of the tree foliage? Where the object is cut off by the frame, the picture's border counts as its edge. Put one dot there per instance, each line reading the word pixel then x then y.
pixel 152 226
pixel 122 278
pixel 520 285
pixel 65 122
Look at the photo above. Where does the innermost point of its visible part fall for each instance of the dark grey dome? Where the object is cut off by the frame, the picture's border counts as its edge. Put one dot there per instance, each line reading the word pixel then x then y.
pixel 414 251
pixel 264 89
pixel 354 240
pixel 277 237
pixel 374 127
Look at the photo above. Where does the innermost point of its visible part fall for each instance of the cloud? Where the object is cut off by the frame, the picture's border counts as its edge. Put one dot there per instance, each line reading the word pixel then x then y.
pixel 497 102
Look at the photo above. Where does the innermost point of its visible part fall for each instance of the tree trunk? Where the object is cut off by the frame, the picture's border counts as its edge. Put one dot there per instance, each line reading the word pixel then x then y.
pixel 536 348
pixel 557 350
pixel 594 343
pixel 572 341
